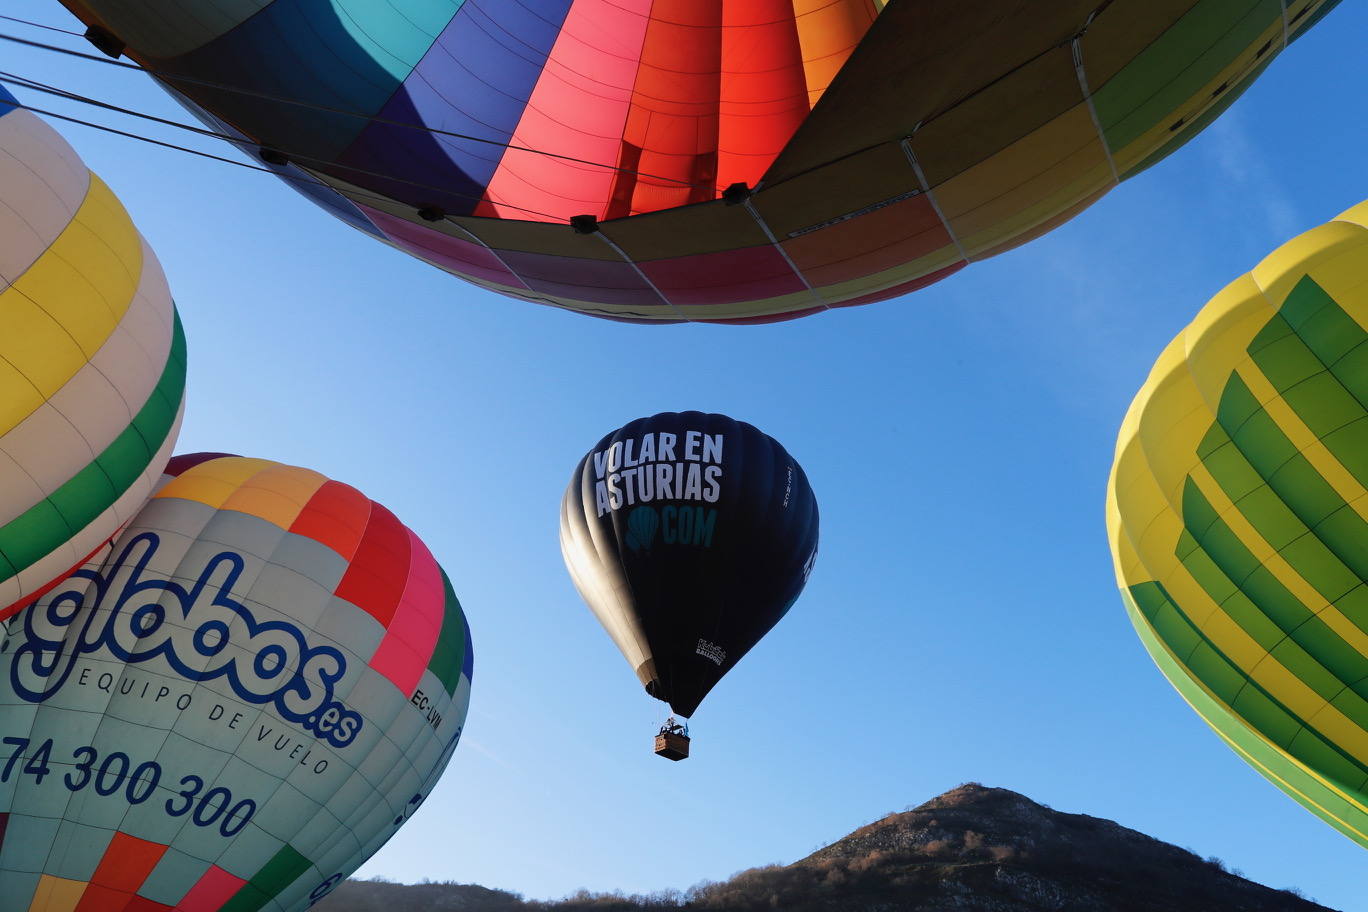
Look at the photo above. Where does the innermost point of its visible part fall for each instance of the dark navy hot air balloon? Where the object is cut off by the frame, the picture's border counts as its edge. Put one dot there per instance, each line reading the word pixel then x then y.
pixel 689 535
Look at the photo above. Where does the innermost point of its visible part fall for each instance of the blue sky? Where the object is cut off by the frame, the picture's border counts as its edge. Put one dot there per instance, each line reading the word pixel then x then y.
pixel 962 622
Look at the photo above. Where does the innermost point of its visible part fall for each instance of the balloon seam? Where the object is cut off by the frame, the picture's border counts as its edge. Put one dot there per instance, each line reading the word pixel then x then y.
pixel 642 275
pixel 1081 69
pixel 906 144
pixel 764 226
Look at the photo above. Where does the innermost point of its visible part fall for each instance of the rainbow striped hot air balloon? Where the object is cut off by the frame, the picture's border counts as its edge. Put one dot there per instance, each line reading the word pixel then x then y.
pixel 875 147
pixel 92 360
pixel 1238 517
pixel 233 706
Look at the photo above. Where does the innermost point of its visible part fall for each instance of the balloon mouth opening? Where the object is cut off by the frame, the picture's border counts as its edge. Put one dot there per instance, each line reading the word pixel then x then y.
pixel 655 689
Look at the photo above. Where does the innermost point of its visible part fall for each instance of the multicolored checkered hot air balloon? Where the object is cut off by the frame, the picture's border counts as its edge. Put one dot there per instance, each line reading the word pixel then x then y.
pixel 723 160
pixel 1238 516
pixel 92 360
pixel 233 706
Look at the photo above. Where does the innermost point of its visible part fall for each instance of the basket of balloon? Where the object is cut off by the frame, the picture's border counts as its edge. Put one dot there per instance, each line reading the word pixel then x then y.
pixel 672 742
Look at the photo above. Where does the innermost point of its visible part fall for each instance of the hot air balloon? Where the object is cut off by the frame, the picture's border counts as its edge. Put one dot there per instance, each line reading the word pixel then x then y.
pixel 92 360
pixel 1238 516
pixel 689 535
pixel 728 161
pixel 233 706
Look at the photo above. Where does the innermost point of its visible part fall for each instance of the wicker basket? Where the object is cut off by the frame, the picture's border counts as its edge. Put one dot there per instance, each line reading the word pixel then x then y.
pixel 672 746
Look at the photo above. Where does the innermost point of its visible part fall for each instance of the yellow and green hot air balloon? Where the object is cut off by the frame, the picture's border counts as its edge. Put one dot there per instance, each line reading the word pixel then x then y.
pixel 1238 516
pixel 92 360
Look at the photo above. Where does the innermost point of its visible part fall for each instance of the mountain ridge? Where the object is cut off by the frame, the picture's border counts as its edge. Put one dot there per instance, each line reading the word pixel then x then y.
pixel 971 849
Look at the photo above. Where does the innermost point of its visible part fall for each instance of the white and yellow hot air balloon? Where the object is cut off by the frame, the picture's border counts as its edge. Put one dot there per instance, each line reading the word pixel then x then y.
pixel 92 360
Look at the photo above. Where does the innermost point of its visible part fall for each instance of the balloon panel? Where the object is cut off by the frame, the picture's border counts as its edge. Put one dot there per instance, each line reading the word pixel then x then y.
pixel 233 707
pixel 1238 516
pixel 92 360
pixel 881 162
pixel 690 536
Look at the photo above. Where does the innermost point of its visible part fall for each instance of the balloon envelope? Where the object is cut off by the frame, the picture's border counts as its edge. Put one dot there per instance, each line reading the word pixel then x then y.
pixel 92 360
pixel 889 144
pixel 689 535
pixel 231 708
pixel 1238 517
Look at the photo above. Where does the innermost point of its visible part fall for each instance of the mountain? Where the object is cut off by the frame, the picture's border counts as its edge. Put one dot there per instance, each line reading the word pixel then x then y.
pixel 973 849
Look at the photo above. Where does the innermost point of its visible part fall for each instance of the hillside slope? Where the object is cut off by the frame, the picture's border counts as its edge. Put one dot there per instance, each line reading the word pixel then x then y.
pixel 973 849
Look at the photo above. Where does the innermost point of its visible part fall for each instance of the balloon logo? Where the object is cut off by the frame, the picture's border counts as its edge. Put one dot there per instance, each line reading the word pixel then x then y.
pixel 689 536
pixel 1238 517
pixel 642 523
pixel 731 161
pixel 92 361
pixel 233 705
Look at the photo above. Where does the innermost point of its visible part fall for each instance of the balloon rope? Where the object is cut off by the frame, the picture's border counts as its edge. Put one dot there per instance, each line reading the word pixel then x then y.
pixel 1098 10
pixel 24 82
pixel 327 109
pixel 39 25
